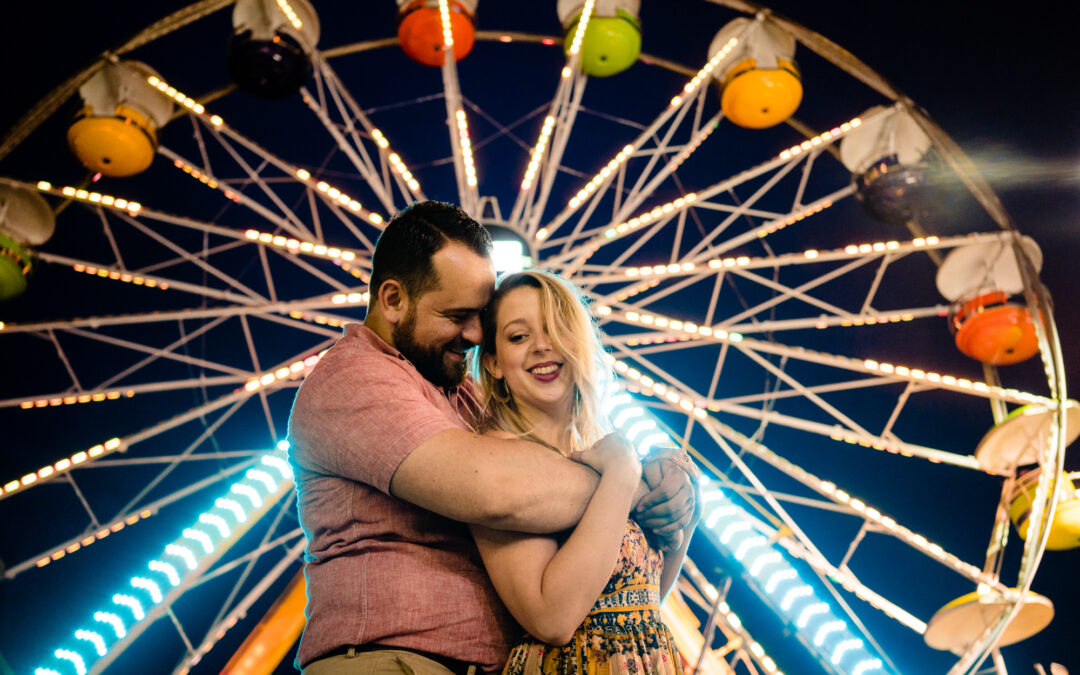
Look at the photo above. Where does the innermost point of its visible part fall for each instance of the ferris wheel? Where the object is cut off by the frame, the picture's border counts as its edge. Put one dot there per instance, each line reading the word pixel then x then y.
pixel 800 277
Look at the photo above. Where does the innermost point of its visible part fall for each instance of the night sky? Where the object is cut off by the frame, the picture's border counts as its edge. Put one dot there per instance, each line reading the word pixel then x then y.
pixel 1000 83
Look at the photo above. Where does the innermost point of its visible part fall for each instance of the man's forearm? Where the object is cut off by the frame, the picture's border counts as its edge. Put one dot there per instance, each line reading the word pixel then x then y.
pixel 543 492
pixel 498 483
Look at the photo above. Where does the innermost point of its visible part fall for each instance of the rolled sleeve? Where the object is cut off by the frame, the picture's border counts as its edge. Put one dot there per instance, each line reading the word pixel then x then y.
pixel 359 417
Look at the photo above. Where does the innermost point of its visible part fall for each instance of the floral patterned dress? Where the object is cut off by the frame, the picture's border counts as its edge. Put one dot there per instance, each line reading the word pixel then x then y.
pixel 623 634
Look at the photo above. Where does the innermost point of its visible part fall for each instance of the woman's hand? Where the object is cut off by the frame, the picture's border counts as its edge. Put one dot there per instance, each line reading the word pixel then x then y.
pixel 611 453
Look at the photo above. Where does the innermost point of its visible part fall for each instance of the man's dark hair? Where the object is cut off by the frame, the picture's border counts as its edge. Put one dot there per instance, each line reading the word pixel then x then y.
pixel 404 249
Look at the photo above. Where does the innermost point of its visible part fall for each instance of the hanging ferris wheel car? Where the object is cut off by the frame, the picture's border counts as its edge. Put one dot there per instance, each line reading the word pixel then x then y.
pixel 115 132
pixel 271 46
pixel 25 220
pixel 1020 438
pixel 1065 527
pixel 960 622
pixel 612 40
pixel 762 86
pixel 886 158
pixel 422 35
pixel 981 277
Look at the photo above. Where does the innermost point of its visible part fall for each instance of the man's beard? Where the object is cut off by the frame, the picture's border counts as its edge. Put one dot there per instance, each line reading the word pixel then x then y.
pixel 429 360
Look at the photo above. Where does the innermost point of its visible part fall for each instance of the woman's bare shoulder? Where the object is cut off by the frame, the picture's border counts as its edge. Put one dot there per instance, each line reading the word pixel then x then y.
pixel 499 433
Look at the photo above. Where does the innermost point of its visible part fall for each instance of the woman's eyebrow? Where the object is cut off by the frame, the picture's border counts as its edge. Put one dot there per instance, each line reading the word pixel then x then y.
pixel 511 322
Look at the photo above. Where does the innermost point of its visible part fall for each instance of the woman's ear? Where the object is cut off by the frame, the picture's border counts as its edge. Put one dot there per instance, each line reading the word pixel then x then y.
pixel 491 364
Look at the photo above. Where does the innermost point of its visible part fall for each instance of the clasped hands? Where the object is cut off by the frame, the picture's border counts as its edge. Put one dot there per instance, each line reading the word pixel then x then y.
pixel 667 501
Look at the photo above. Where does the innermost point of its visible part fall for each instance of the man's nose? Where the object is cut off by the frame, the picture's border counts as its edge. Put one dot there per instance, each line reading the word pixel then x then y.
pixel 472 332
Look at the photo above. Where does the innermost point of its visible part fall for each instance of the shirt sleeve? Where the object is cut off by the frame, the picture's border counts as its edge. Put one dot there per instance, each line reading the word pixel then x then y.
pixel 360 416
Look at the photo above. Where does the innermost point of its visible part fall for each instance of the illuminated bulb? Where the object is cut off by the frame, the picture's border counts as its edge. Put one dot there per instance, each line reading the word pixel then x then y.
pixel 94 639
pixel 262 477
pixel 216 521
pixel 199 537
pixel 114 621
pixel 247 491
pixel 168 570
pixel 182 552
pixel 131 603
pixel 74 657
pixel 149 586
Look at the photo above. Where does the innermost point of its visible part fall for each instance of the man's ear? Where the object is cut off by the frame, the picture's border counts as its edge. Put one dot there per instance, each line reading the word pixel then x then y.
pixel 491 364
pixel 393 300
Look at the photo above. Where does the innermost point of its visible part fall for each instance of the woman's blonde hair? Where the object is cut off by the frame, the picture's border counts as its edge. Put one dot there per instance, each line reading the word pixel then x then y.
pixel 574 335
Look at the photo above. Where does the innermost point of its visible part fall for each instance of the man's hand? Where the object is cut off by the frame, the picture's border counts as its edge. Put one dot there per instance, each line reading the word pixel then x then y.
pixel 610 452
pixel 671 505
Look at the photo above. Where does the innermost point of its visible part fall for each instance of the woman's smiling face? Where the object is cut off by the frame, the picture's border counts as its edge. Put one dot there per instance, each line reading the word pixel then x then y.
pixel 536 374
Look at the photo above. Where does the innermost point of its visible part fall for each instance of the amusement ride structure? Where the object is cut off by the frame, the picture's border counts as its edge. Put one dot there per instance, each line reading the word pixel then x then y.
pixel 800 278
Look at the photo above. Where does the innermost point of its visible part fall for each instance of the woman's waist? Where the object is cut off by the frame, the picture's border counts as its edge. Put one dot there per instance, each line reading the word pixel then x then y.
pixel 633 598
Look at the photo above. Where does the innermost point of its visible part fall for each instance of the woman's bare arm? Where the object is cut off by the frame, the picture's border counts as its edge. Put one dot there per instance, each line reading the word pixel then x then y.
pixel 550 588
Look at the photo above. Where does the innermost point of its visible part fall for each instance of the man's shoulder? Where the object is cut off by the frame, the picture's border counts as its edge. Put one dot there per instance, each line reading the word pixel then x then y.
pixel 358 358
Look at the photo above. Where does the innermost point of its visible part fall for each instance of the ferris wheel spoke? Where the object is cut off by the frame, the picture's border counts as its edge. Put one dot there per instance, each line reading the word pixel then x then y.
pixel 882 522
pixel 378 179
pixel 782 375
pixel 775 395
pixel 106 393
pixel 333 197
pixel 843 320
pixel 166 353
pixel 287 219
pixel 898 374
pixel 700 252
pixel 126 518
pixel 527 211
pixel 675 391
pixel 253 353
pixel 780 166
pixel 406 182
pixel 110 272
pixel 457 121
pixel 193 259
pixel 267 311
pixel 361 161
pixel 786 293
pixel 64 360
pixel 223 622
pixel 641 189
pixel 232 192
pixel 602 180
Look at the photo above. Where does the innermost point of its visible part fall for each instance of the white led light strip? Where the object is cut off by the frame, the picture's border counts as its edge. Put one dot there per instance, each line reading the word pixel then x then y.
pixel 466 147
pixel 71 399
pixel 60 467
pixel 898 372
pixel 290 13
pixel 296 245
pixel 705 71
pixel 212 533
pixel 448 34
pixel 538 152
pixel 118 203
pixel 184 100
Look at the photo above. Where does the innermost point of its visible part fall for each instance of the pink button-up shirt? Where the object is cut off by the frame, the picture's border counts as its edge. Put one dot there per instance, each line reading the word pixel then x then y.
pixel 380 570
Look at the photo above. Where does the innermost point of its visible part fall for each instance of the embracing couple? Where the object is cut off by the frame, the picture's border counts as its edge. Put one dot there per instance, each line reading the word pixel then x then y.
pixel 434 502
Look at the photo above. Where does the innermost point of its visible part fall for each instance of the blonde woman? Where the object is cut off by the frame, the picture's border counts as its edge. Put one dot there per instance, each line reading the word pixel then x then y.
pixel 589 598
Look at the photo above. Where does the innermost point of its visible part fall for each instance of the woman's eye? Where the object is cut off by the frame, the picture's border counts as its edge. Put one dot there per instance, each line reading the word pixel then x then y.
pixel 517 338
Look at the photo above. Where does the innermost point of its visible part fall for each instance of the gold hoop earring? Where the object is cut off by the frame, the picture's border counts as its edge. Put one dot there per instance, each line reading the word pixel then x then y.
pixel 505 396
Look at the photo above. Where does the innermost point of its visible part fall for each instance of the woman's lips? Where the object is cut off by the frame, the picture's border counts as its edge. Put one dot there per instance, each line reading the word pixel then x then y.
pixel 548 371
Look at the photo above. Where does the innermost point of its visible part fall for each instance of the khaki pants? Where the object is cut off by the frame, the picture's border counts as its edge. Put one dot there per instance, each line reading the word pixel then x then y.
pixel 379 662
